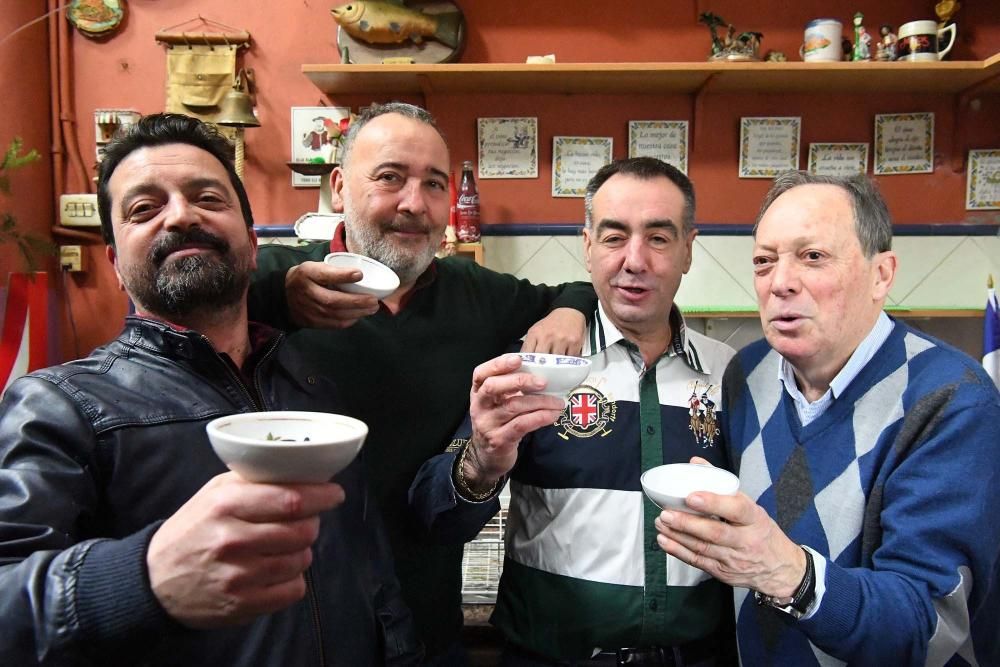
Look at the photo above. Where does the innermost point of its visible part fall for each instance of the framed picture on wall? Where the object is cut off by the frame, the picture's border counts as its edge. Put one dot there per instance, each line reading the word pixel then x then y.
pixel 316 137
pixel 666 140
pixel 982 186
pixel 904 143
pixel 575 160
pixel 508 147
pixel 769 145
pixel 838 159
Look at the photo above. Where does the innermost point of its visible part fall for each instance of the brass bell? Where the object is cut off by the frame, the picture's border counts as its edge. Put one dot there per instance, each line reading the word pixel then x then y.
pixel 236 108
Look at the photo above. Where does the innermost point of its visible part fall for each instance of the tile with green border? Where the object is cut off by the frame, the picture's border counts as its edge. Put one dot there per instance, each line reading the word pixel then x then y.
pixel 711 284
pixel 507 254
pixel 553 264
pixel 918 256
pixel 957 281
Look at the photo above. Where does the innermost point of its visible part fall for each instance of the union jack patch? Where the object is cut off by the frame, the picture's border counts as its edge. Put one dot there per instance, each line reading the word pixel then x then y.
pixel 588 413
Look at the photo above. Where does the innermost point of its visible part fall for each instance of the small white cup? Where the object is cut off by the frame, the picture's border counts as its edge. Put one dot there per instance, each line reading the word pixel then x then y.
pixel 668 485
pixel 562 373
pixel 919 40
pixel 821 41
pixel 377 279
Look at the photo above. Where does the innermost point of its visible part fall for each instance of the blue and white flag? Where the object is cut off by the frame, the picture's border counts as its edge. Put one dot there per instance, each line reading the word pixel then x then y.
pixel 991 336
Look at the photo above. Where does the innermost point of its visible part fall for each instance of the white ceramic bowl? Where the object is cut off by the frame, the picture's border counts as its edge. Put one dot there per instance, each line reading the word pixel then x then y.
pixel 668 485
pixel 273 446
pixel 378 279
pixel 562 373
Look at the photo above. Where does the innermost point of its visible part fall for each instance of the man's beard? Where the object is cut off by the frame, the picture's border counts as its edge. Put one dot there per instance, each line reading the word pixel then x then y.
pixel 366 238
pixel 195 283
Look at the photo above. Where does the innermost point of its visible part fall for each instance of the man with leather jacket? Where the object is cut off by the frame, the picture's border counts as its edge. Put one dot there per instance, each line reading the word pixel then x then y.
pixel 123 540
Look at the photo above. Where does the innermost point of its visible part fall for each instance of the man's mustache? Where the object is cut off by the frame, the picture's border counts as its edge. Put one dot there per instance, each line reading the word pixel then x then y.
pixel 195 236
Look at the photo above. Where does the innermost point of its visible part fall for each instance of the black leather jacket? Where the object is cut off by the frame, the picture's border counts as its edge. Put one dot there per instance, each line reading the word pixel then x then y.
pixel 94 454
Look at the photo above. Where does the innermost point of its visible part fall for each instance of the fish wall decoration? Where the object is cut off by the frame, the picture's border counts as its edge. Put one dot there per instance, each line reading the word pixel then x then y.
pixel 391 22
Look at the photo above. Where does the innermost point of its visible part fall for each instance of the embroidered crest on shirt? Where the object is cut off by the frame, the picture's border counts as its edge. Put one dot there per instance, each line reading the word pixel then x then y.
pixel 703 423
pixel 588 413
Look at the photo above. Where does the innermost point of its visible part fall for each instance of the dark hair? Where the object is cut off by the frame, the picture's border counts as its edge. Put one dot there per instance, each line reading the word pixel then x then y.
pixel 643 168
pixel 376 110
pixel 159 130
pixel 872 223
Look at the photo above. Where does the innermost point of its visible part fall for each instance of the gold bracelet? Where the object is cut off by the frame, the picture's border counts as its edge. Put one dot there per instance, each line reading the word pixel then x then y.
pixel 458 477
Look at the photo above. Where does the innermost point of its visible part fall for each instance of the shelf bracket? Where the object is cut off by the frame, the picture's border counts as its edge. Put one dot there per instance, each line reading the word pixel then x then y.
pixel 959 148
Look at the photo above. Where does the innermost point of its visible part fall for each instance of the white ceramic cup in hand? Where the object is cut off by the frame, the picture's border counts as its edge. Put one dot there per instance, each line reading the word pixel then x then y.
pixel 668 485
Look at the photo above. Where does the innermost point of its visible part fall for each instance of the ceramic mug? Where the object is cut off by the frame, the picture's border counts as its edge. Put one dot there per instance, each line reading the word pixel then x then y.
pixel 918 40
pixel 821 41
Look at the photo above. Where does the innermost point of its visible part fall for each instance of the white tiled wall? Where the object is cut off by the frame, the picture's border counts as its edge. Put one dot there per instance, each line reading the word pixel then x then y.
pixel 935 272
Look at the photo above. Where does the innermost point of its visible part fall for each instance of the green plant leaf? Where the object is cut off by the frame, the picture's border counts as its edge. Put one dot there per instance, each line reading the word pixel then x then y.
pixel 29 246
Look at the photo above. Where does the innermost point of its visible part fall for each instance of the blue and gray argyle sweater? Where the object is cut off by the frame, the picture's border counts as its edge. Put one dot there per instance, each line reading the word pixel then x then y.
pixel 897 484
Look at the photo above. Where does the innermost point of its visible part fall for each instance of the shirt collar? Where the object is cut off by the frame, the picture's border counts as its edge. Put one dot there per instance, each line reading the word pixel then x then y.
pixel 603 334
pixel 858 360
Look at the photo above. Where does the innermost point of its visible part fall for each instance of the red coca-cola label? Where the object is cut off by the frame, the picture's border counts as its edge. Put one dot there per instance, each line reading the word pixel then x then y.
pixel 467 212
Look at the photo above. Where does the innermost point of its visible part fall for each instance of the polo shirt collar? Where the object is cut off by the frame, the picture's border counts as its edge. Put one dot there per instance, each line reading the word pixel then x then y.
pixel 603 334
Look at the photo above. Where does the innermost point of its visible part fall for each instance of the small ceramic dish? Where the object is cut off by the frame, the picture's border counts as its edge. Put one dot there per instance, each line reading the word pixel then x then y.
pixel 286 446
pixel 668 485
pixel 562 373
pixel 377 280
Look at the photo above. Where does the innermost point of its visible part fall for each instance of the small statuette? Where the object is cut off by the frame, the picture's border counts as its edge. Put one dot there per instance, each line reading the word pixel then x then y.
pixel 862 40
pixel 886 47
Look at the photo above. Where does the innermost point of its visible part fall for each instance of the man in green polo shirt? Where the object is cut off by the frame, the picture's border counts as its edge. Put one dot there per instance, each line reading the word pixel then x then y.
pixel 404 362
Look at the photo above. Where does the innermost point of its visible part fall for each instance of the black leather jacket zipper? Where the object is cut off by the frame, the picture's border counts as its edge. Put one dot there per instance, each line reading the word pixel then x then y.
pixel 314 607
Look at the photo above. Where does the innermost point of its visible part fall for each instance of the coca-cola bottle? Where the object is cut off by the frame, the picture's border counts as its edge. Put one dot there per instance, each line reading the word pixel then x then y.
pixel 468 206
pixel 450 234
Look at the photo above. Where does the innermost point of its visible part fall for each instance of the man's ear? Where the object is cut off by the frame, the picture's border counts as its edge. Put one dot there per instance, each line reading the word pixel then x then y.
pixel 884 274
pixel 689 249
pixel 336 186
pixel 587 243
pixel 109 252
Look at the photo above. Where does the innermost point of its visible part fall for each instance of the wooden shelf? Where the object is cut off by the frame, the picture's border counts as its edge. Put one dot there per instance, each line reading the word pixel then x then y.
pixel 473 251
pixel 946 77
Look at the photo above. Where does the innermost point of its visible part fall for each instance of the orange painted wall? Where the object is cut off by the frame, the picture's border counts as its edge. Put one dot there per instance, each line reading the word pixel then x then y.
pixel 24 69
pixel 128 70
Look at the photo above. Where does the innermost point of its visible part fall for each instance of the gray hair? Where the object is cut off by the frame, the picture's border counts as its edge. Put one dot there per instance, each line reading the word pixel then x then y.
pixel 376 110
pixel 644 169
pixel 872 223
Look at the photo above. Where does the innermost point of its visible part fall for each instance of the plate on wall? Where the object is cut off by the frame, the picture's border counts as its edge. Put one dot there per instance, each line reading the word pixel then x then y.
pixel 96 18
pixel 428 52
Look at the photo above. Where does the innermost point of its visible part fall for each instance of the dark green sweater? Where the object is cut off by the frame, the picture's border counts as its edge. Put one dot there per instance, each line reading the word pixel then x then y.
pixel 408 376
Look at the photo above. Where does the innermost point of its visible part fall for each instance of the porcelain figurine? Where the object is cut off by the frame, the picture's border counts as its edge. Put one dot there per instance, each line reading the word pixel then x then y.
pixel 862 40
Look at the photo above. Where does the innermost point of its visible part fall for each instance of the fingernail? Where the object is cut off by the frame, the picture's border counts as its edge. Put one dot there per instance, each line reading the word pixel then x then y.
pixel 695 501
pixel 667 517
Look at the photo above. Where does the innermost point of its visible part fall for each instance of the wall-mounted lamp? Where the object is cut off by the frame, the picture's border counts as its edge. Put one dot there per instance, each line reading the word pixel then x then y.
pixel 236 110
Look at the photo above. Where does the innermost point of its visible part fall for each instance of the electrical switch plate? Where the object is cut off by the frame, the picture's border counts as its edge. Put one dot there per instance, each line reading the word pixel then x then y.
pixel 71 257
pixel 78 211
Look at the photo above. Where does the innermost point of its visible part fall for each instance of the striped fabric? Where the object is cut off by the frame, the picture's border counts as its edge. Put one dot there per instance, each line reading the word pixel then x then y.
pixel 582 568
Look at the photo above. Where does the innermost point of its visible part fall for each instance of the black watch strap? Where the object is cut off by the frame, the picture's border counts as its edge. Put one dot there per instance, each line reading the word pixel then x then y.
pixel 803 597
